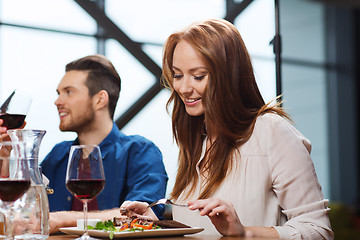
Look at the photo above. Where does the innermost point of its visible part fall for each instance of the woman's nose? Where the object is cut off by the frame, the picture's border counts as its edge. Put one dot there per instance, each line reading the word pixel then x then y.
pixel 185 86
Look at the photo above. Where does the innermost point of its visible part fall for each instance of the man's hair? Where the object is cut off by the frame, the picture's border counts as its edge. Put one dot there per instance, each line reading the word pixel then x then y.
pixel 102 75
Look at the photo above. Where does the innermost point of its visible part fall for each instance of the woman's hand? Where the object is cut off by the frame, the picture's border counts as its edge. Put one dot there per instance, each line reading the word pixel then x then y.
pixel 139 208
pixel 222 214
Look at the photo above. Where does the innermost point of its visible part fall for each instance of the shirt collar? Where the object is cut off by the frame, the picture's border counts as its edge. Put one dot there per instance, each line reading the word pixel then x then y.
pixel 112 137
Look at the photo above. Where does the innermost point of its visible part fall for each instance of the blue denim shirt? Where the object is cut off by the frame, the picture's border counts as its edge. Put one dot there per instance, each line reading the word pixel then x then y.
pixel 133 167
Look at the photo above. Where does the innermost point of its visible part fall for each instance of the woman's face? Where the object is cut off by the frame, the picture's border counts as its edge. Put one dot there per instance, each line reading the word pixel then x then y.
pixel 190 77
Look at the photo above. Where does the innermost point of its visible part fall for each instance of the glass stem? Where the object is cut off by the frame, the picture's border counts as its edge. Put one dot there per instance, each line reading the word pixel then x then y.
pixel 9 226
pixel 85 217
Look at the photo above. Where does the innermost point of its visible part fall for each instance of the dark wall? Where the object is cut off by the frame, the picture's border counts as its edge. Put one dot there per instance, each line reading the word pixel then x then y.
pixel 342 49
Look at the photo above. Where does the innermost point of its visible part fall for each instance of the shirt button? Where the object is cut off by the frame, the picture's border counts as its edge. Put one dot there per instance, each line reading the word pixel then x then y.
pixel 69 198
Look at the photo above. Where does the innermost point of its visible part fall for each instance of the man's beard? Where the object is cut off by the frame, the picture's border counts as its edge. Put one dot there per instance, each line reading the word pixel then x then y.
pixel 80 123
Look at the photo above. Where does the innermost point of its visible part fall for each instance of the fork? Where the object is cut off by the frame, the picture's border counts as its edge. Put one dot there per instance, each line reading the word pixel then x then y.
pixel 166 201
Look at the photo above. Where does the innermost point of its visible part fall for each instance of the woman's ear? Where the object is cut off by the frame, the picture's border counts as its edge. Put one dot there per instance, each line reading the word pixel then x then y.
pixel 101 99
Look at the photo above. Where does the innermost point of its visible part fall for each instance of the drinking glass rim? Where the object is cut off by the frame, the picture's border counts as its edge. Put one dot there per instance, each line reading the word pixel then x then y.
pixel 26 130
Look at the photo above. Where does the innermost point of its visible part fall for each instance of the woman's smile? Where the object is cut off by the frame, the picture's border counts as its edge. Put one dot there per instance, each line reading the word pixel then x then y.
pixel 192 101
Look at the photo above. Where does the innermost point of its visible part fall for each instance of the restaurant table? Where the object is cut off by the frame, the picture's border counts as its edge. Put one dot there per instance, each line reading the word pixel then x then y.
pixel 186 237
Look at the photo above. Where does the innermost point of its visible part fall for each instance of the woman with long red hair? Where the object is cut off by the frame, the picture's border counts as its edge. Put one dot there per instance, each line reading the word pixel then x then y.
pixel 241 162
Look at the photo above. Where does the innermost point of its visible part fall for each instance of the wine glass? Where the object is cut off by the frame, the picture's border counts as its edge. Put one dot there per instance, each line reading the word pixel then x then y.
pixel 14 180
pixel 85 177
pixel 14 109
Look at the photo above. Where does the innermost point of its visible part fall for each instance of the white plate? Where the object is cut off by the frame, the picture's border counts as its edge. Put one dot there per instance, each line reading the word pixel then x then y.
pixel 125 234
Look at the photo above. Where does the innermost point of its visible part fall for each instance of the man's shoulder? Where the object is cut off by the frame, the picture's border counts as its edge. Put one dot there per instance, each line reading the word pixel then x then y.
pixel 117 141
pixel 57 153
pixel 61 148
pixel 117 135
pixel 62 145
pixel 136 141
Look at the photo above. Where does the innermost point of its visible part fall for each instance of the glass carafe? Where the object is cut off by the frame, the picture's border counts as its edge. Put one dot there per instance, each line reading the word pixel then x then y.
pixel 32 210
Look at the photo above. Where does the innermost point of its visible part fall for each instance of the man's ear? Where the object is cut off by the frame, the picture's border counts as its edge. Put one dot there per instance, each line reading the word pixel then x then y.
pixel 101 99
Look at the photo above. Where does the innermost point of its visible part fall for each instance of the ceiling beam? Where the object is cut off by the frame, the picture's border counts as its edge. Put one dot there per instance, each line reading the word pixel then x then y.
pixel 234 9
pixel 113 31
pixel 134 48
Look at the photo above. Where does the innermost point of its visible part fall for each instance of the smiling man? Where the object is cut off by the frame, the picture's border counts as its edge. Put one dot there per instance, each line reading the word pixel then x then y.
pixel 134 170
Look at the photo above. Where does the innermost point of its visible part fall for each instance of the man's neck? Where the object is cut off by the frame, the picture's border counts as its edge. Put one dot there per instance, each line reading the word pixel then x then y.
pixel 97 133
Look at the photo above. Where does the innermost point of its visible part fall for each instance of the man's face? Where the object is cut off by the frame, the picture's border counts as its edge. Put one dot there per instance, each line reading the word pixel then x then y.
pixel 74 104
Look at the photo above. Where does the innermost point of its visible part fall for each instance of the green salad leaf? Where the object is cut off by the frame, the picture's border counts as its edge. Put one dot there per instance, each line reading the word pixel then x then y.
pixel 105 226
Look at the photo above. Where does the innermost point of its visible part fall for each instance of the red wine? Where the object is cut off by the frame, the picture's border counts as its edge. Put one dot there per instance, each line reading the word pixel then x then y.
pixel 12 189
pixel 85 189
pixel 12 121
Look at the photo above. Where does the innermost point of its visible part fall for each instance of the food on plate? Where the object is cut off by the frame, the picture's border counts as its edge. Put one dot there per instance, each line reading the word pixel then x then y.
pixel 129 216
pixel 133 224
pixel 170 224
pixel 130 221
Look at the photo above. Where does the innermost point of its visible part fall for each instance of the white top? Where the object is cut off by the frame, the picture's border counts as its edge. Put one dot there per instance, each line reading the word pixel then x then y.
pixel 273 183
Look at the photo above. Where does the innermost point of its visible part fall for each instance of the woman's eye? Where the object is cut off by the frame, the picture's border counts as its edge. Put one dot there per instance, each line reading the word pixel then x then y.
pixel 178 76
pixel 199 77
